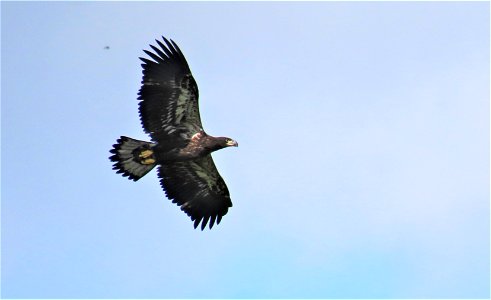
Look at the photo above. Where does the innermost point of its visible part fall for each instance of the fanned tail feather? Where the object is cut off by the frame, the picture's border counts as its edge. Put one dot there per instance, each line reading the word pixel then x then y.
pixel 132 158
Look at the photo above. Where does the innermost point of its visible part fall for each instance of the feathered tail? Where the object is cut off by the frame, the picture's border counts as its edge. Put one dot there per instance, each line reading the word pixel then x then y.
pixel 133 158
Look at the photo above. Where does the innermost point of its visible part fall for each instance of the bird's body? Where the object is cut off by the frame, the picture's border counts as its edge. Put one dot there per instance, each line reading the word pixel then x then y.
pixel 169 113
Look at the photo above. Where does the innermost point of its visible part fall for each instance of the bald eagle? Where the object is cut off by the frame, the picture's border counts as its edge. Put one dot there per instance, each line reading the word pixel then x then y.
pixel 180 147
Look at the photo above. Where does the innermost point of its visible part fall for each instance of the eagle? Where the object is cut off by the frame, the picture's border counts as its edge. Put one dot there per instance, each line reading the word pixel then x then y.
pixel 179 146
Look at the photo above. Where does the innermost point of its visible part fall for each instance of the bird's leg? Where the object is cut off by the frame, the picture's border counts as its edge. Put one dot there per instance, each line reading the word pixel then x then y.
pixel 146 157
pixel 146 153
pixel 148 161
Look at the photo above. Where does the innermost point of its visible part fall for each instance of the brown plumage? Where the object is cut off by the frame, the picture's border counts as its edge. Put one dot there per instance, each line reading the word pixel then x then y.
pixel 169 113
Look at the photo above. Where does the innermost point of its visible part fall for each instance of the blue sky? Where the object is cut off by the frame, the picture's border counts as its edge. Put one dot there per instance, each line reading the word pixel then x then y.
pixel 362 170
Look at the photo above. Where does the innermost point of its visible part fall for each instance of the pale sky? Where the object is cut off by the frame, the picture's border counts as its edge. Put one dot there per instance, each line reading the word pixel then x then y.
pixel 362 170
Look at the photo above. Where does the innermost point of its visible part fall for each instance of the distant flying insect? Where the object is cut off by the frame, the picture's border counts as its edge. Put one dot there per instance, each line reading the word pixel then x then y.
pixel 106 48
pixel 169 113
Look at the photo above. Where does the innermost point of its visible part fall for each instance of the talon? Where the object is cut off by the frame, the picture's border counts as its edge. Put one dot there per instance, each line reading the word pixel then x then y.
pixel 148 161
pixel 146 154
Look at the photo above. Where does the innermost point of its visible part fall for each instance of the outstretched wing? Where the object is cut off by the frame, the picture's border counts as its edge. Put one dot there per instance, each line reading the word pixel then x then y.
pixel 169 94
pixel 197 187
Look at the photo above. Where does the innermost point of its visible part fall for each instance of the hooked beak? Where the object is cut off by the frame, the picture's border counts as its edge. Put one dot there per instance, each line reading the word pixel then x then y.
pixel 232 143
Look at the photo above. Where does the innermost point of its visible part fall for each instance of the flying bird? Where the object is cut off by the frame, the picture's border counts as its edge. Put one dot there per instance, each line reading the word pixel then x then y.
pixel 179 146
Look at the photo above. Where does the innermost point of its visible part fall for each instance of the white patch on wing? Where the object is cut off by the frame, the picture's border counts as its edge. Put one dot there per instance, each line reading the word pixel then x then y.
pixel 181 112
pixel 203 175
pixel 151 83
pixel 182 103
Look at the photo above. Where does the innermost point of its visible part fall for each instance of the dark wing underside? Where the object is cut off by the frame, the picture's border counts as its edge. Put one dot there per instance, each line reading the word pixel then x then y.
pixel 169 95
pixel 197 187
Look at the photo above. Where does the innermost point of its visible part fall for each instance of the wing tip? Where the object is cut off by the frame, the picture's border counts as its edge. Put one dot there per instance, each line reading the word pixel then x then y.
pixel 206 220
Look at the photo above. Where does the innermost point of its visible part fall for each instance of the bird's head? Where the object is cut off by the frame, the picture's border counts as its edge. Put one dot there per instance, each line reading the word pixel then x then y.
pixel 217 143
pixel 230 142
